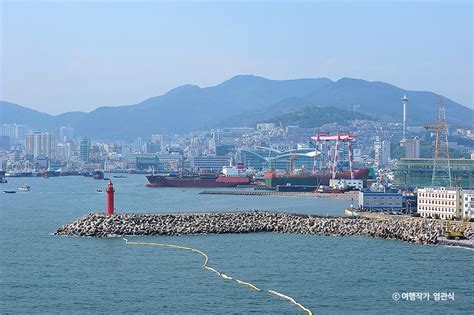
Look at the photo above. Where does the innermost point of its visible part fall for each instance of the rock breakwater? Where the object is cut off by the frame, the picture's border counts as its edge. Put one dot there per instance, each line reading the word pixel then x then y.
pixel 424 231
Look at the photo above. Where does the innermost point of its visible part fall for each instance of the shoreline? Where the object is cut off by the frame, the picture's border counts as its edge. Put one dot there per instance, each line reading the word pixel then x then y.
pixel 411 230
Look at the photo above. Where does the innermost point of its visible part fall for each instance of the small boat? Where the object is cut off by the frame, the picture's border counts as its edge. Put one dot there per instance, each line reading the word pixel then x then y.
pixel 98 174
pixel 3 180
pixel 98 190
pixel 119 176
pixel 24 187
pixel 106 178
pixel 9 191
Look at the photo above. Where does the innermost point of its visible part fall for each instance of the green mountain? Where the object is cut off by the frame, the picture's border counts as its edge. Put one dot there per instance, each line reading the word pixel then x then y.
pixel 241 100
pixel 317 116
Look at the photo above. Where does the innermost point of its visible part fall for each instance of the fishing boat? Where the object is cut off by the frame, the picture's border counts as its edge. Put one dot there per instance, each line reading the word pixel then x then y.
pixel 24 187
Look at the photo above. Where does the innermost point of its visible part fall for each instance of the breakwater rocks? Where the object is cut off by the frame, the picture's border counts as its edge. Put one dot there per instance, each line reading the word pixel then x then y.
pixel 423 231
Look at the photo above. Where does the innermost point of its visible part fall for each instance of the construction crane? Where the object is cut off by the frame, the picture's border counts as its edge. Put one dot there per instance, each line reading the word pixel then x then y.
pixel 428 127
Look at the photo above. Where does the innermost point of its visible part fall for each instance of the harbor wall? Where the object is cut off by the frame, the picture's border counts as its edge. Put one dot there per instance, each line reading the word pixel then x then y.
pixel 426 231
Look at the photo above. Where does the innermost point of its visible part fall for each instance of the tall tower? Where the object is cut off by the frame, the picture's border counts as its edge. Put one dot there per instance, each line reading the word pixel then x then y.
pixel 405 103
pixel 441 163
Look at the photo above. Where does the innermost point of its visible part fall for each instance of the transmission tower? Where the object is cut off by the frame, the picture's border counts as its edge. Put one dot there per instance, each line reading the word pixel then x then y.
pixel 441 164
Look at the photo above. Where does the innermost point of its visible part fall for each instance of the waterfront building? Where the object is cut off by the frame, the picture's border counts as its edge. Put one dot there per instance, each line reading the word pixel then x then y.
pixel 215 163
pixel 158 162
pixel 38 143
pixel 261 158
pixel 380 201
pixel 170 162
pixel 146 162
pixel 419 172
pixel 468 204
pixel 84 150
pixel 440 202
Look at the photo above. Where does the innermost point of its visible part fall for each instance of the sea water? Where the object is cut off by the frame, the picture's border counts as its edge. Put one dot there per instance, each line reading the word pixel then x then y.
pixel 43 273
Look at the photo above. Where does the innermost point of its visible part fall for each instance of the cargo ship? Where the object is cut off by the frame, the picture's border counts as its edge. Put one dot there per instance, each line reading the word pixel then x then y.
pixel 318 179
pixel 230 177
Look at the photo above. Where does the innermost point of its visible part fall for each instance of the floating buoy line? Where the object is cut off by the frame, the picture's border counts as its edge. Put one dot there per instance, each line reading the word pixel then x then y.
pixel 224 276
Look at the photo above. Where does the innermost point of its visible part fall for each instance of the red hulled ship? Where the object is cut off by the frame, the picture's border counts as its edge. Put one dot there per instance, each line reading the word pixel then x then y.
pixel 230 177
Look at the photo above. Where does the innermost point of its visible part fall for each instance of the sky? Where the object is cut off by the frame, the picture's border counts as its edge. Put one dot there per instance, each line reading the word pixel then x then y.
pixel 59 56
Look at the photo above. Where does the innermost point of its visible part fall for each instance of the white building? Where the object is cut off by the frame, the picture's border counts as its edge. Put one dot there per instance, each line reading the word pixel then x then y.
pixel 382 151
pixel 38 143
pixel 443 203
pixel 468 204
pixel 344 183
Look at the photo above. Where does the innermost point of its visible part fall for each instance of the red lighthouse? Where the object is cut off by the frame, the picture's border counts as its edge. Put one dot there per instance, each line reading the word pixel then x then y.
pixel 110 198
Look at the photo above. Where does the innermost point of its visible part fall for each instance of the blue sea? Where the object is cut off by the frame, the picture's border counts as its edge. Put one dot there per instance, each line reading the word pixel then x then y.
pixel 43 273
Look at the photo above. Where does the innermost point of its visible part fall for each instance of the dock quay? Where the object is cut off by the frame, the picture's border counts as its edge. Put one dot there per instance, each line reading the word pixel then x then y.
pixel 348 195
pixel 413 230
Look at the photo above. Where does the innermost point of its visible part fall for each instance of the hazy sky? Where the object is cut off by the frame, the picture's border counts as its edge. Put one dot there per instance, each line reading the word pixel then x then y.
pixel 59 56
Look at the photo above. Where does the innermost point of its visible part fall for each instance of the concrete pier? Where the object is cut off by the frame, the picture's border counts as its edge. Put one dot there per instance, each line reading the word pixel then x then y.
pixel 348 195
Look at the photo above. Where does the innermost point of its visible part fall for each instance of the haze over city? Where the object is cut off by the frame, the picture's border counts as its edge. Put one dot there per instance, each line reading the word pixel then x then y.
pixel 68 56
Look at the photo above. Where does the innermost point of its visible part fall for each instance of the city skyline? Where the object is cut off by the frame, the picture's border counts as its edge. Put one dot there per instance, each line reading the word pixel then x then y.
pixel 81 66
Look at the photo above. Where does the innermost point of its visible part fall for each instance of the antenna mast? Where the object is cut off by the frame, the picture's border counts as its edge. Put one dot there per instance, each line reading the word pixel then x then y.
pixel 441 171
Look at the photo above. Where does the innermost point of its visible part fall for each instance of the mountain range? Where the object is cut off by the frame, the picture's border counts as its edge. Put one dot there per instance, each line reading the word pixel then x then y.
pixel 239 101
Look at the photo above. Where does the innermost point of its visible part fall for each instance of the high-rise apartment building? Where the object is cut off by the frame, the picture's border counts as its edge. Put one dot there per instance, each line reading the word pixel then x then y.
pixel 66 134
pixel 382 152
pixel 85 150
pixel 412 148
pixel 38 143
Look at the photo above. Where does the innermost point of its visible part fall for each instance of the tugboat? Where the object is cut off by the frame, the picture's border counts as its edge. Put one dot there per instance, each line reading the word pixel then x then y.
pixel 24 187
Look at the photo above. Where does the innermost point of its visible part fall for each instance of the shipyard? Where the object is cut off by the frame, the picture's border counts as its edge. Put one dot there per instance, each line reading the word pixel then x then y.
pixel 236 157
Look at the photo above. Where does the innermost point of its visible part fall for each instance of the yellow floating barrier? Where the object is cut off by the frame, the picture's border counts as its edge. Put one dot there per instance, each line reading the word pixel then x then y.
pixel 224 276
